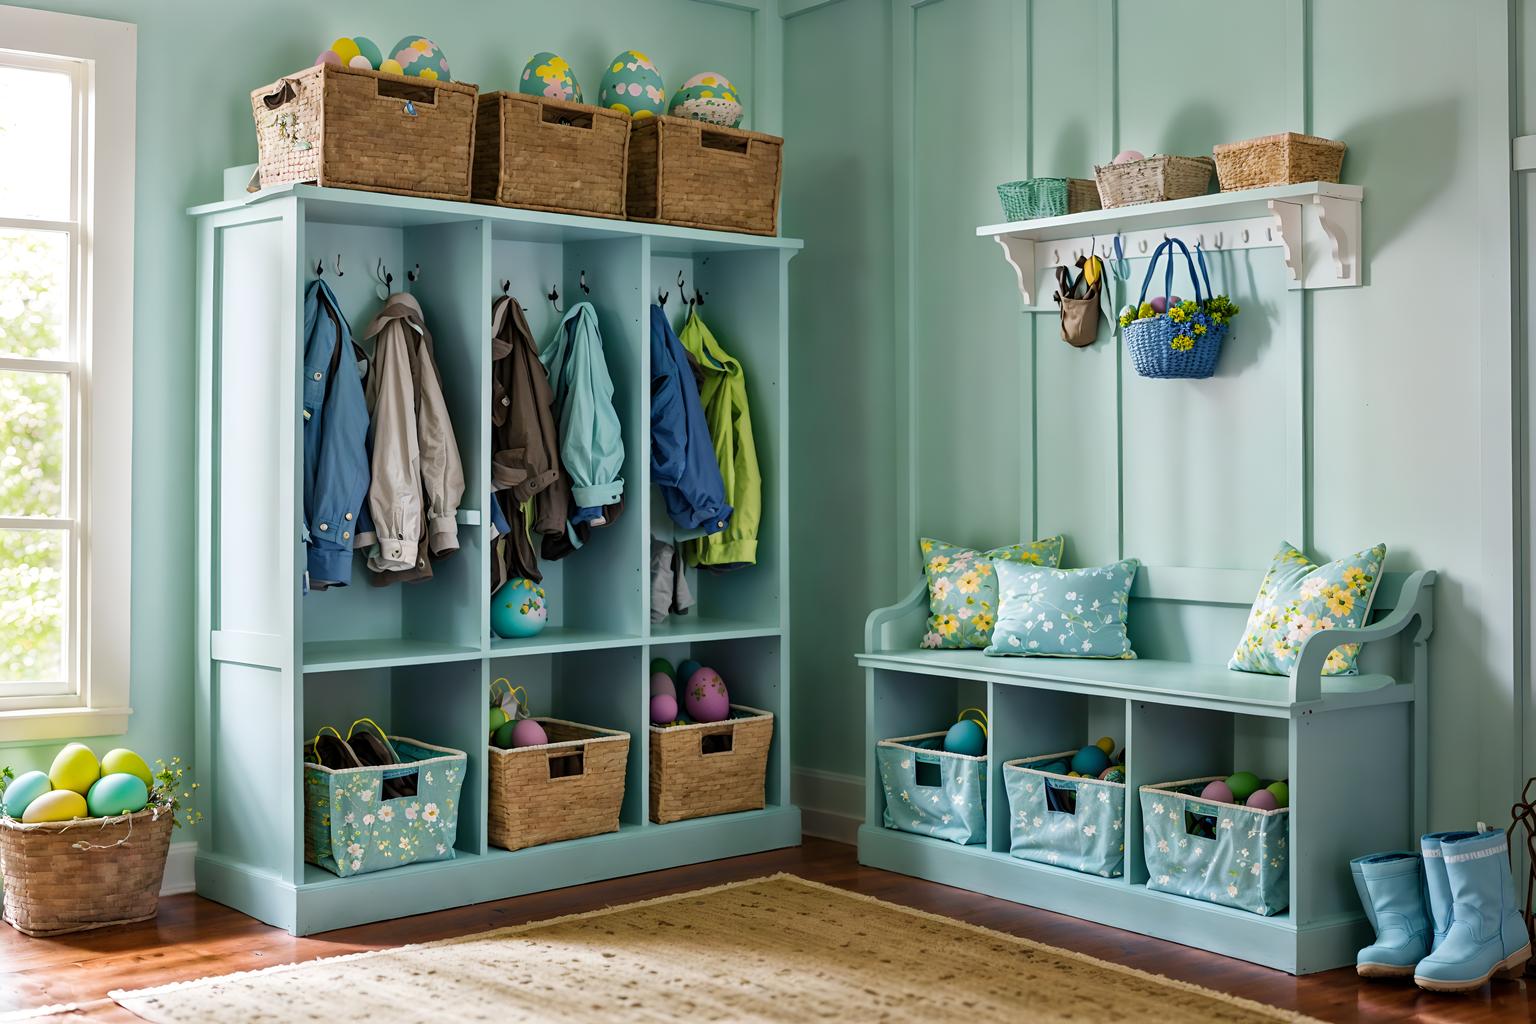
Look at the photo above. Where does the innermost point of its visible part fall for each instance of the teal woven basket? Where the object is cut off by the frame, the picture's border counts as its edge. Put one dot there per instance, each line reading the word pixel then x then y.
pixel 1034 198
pixel 932 792
pixel 350 829
pixel 1069 822
pixel 1222 853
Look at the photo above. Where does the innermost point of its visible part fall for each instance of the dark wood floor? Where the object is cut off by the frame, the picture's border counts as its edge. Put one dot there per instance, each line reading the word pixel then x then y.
pixel 193 938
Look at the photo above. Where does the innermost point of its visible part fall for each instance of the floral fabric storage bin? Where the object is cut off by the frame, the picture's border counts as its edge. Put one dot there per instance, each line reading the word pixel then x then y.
pixel 350 829
pixel 932 792
pixel 1222 853
pixel 1075 823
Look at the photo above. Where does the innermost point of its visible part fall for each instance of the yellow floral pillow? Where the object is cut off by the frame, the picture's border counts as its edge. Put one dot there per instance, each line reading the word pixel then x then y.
pixel 962 588
pixel 1298 598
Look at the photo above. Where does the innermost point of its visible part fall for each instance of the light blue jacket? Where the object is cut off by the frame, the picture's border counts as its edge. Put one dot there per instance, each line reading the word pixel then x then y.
pixel 591 444
pixel 335 439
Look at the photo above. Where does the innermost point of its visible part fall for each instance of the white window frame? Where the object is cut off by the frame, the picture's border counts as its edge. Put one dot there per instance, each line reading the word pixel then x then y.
pixel 101 57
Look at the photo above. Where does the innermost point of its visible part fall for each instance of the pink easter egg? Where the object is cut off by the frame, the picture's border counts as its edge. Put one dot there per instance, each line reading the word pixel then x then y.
pixel 1264 800
pixel 328 57
pixel 662 683
pixel 528 733
pixel 705 697
pixel 1126 156
pixel 1217 792
pixel 1160 303
pixel 663 709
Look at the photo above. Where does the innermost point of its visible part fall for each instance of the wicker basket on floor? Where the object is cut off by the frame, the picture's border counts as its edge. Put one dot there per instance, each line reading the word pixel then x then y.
pixel 1154 179
pixel 567 788
pixel 697 175
pixel 538 153
pixel 350 128
pixel 710 768
pixel 72 876
pixel 1284 159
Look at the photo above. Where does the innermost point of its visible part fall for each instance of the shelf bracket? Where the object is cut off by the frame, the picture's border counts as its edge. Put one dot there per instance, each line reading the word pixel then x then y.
pixel 1287 218
pixel 1340 221
pixel 1020 254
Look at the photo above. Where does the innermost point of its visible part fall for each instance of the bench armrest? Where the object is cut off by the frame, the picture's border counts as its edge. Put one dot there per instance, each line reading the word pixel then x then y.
pixel 901 625
pixel 1415 605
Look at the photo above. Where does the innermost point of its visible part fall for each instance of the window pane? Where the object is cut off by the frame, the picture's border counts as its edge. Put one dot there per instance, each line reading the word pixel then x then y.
pixel 36 122
pixel 34 294
pixel 33 411
pixel 33 600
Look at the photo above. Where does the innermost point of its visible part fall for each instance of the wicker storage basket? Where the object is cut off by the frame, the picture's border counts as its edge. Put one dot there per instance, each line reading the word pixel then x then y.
pixel 567 788
pixel 71 876
pixel 1047 197
pixel 1283 159
pixel 350 128
pixel 1153 180
pixel 698 175
pixel 715 768
pixel 546 154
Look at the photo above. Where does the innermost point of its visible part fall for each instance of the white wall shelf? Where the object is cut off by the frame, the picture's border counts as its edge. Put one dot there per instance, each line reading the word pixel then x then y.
pixel 1315 224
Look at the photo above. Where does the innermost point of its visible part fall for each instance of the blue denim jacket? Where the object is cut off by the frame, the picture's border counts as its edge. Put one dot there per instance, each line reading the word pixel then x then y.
pixel 335 439
pixel 683 463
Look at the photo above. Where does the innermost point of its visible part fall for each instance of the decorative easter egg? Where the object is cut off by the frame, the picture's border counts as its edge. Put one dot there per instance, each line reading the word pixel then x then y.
pixel 1217 792
pixel 685 669
pixel 548 74
pixel 59 805
pixel 119 793
pixel 1242 785
pixel 1126 156
pixel 966 737
pixel 75 768
pixel 418 57
pixel 633 85
pixel 24 789
pixel 661 683
pixel 663 709
pixel 528 733
pixel 705 697
pixel 1106 744
pixel 1161 303
pixel 1090 761
pixel 1281 792
pixel 1114 773
pixel 502 737
pixel 124 760
pixel 663 665
pixel 708 96
pixel 1055 768
pixel 353 52
pixel 1263 799
pixel 499 718
pixel 518 609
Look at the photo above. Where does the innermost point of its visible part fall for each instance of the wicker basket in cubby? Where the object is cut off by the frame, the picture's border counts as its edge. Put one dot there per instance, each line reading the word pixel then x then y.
pixel 567 788
pixel 351 128
pixel 538 153
pixel 1285 159
pixel 710 768
pixel 697 175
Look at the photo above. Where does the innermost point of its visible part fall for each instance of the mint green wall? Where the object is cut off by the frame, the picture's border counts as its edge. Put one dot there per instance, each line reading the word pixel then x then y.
pixel 198 61
pixel 1408 388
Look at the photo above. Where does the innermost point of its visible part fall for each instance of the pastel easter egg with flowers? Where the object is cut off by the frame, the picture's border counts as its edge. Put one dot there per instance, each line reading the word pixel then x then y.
pixel 418 57
pixel 353 52
pixel 633 85
pixel 549 75
pixel 710 97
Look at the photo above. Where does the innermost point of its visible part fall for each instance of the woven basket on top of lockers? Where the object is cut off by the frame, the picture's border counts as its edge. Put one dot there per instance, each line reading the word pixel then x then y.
pixel 710 768
pixel 1153 179
pixel 1284 159
pixel 1047 197
pixel 538 153
pixel 72 876
pixel 697 175
pixel 567 788
pixel 351 128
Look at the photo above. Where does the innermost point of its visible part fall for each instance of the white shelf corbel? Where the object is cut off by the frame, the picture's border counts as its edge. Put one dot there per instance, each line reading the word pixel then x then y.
pixel 1020 254
pixel 1292 249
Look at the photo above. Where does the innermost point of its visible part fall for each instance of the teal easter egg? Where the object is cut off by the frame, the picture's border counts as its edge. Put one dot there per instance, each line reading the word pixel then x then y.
pixel 547 74
pixel 633 85
pixel 686 668
pixel 418 57
pixel 708 96
pixel 519 609
pixel 22 791
pixel 116 794
pixel 1090 761
pixel 966 737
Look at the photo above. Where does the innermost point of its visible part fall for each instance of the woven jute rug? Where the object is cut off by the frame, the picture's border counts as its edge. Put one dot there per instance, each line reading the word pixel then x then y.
pixel 771 949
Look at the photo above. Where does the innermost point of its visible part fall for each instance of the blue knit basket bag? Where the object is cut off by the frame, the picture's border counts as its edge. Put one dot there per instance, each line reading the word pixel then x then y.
pixel 1184 341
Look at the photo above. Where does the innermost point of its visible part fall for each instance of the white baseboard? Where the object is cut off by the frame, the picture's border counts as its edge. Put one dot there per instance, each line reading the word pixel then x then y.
pixel 180 869
pixel 831 804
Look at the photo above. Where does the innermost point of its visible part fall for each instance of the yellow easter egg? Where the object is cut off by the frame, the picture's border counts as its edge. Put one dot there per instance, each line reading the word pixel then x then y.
pixel 391 65
pixel 346 49
pixel 75 768
pixel 1105 743
pixel 59 805
pixel 124 761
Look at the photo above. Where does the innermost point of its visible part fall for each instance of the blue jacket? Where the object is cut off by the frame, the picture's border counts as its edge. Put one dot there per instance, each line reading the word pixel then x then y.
pixel 591 443
pixel 335 439
pixel 683 462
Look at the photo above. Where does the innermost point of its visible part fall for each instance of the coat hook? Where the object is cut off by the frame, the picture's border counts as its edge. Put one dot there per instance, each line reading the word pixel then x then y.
pixel 554 298
pixel 662 295
pixel 413 275
pixel 585 290
pixel 383 274
pixel 319 268
pixel 1055 255
pixel 1269 234
pixel 1143 245
pixel 1245 236
pixel 339 271
pixel 506 286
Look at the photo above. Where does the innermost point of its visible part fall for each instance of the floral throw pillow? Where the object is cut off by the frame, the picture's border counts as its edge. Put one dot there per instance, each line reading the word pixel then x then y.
pixel 962 587
pixel 1298 598
pixel 1064 613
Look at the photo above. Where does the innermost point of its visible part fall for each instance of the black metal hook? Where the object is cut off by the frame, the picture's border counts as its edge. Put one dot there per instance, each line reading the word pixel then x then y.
pixel 414 275
pixel 583 282
pixel 320 267
pixel 506 286
pixel 554 298
pixel 383 274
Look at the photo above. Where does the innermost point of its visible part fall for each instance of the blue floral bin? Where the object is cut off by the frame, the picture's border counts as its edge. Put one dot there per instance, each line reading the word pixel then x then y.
pixel 932 792
pixel 1070 822
pixel 351 829
pixel 1222 853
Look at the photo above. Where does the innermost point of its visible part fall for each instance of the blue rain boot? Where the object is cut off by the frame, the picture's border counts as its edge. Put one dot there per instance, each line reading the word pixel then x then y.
pixel 1391 887
pixel 1487 934
pixel 1437 885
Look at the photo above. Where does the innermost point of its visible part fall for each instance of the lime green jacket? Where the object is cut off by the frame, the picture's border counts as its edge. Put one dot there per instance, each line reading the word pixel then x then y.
pixel 724 396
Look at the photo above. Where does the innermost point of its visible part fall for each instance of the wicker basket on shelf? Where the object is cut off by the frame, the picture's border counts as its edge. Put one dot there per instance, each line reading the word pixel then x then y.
pixel 1153 179
pixel 1047 197
pixel 697 175
pixel 72 876
pixel 710 768
pixel 1284 159
pixel 567 788
pixel 538 153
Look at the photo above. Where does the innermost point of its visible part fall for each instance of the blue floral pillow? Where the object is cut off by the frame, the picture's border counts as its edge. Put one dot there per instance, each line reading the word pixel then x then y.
pixel 962 590
pixel 1298 598
pixel 1064 613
